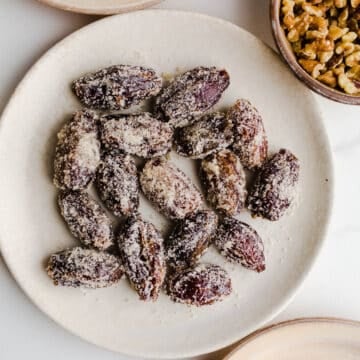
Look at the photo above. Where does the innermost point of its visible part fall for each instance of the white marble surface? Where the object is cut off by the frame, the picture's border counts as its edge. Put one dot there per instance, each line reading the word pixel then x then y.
pixel 27 29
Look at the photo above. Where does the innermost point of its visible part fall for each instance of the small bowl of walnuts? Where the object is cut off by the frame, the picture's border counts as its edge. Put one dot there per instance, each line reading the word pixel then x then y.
pixel 320 40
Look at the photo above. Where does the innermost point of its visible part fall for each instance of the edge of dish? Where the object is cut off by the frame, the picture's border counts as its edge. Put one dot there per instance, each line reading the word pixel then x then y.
pixel 288 323
pixel 116 9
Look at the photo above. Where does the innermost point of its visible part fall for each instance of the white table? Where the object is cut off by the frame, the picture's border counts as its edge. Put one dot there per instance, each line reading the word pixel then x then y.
pixel 27 29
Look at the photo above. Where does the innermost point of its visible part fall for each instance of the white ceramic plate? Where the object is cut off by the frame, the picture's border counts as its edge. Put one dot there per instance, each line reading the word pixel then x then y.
pixel 310 339
pixel 31 227
pixel 101 7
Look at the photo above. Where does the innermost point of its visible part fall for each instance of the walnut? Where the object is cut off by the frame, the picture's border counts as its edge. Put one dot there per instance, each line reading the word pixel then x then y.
pixel 288 11
pixel 347 84
pixel 300 27
pixel 353 59
pixel 340 3
pixel 309 51
pixel 325 56
pixel 308 65
pixel 328 78
pixel 317 69
pixel 349 37
pixel 336 32
pixel 339 70
pixel 324 35
pixel 354 72
pixel 312 10
pixel 325 45
pixel 345 48
pixel 342 18
pixel 350 81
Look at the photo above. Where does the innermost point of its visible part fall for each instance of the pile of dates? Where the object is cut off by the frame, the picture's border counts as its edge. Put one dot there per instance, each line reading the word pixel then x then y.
pixel 98 145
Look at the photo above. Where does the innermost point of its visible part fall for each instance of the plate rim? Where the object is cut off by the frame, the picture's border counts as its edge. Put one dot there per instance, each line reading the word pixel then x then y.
pixel 289 324
pixel 323 237
pixel 139 5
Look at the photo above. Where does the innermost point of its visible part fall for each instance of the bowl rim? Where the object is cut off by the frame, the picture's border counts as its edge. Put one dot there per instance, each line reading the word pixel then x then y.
pixel 288 323
pixel 300 73
pixel 102 10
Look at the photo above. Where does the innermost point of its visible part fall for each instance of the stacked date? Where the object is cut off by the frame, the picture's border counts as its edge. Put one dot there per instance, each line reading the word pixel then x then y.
pixel 100 148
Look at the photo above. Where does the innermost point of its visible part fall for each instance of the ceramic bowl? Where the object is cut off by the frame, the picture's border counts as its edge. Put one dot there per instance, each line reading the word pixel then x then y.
pixel 288 55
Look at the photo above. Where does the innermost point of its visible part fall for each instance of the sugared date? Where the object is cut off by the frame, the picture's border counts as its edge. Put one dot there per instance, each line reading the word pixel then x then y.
pixel 211 133
pixel 240 243
pixel 190 239
pixel 191 94
pixel 201 285
pixel 142 251
pixel 77 152
pixel 169 189
pixel 250 143
pixel 86 268
pixel 275 186
pixel 117 87
pixel 137 134
pixel 118 183
pixel 86 219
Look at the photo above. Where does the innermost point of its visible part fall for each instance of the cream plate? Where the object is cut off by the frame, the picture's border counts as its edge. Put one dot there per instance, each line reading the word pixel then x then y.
pixel 31 227
pixel 310 339
pixel 101 7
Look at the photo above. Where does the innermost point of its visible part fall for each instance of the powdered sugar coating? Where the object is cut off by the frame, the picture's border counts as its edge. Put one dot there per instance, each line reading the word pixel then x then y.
pixel 86 219
pixel 240 243
pixel 142 251
pixel 137 134
pixel 169 189
pixel 201 285
pixel 77 152
pixel 117 87
pixel 250 143
pixel 118 184
pixel 224 180
pixel 211 133
pixel 191 94
pixel 190 239
pixel 86 268
pixel 275 186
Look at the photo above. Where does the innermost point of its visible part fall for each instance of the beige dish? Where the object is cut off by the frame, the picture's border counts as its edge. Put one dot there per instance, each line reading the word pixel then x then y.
pixel 31 227
pixel 308 338
pixel 101 7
